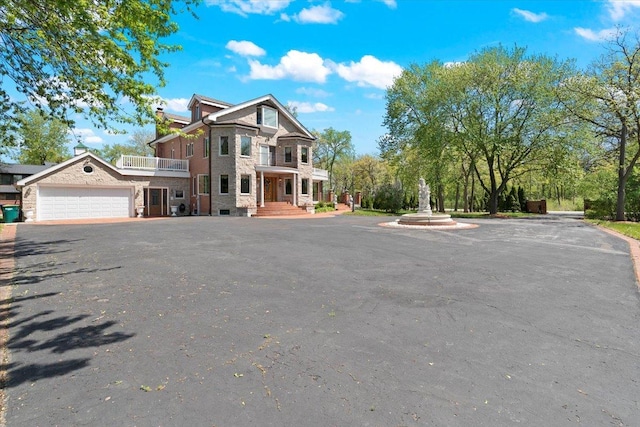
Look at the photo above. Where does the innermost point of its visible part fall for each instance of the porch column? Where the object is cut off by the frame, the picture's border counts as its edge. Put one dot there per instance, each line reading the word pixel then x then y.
pixel 262 189
pixel 295 190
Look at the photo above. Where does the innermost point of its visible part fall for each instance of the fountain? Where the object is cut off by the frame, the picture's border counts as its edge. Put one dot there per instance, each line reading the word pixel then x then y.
pixel 425 216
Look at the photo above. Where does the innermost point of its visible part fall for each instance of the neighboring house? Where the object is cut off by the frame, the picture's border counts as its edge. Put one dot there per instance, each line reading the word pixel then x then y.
pixel 237 160
pixel 242 157
pixel 10 174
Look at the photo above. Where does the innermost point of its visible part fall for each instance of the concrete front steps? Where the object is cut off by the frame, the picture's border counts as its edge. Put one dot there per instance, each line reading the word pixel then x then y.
pixel 280 209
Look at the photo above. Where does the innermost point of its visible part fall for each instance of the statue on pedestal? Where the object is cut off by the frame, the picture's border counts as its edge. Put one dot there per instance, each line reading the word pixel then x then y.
pixel 424 197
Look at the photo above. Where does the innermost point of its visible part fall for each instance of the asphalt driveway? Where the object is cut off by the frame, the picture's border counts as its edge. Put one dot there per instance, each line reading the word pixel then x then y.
pixel 321 322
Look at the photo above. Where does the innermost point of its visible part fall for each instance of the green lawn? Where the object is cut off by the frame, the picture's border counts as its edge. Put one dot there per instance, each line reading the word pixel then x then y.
pixel 631 229
pixel 373 212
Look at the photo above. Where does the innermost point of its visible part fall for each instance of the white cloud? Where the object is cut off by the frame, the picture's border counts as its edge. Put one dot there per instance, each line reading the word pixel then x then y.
pixel 87 135
pixel 619 8
pixel 321 14
pixel 307 107
pixel 530 16
pixel 390 3
pixel 370 71
pixel 245 48
pixel 246 7
pixel 178 105
pixel 591 35
pixel 374 96
pixel 318 93
pixel 296 65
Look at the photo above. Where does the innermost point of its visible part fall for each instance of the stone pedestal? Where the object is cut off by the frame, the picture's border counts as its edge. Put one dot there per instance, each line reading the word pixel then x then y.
pixel 426 219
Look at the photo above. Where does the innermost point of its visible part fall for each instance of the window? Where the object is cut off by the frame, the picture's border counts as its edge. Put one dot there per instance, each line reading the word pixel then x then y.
pixel 224 184
pixel 224 146
pixel 245 184
pixel 194 186
pixel 287 154
pixel 305 186
pixel 203 184
pixel 205 148
pixel 268 116
pixel 288 185
pixel 264 155
pixel 305 154
pixel 245 145
pixel 190 149
pixel 178 194
pixel 224 212
pixel 88 169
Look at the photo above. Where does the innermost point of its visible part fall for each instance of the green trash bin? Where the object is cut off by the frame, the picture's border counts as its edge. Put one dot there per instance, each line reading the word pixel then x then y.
pixel 10 213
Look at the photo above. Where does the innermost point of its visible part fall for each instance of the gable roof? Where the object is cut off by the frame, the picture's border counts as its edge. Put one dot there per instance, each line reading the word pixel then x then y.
pixel 176 118
pixel 218 117
pixel 214 117
pixel 209 101
pixel 53 169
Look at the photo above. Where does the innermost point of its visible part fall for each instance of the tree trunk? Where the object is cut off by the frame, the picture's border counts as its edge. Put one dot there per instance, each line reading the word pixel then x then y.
pixel 455 205
pixel 622 179
pixel 472 199
pixel 440 200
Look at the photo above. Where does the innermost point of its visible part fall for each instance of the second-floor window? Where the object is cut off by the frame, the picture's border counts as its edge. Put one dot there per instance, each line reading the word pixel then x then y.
pixel 304 154
pixel 245 146
pixel 267 116
pixel 224 146
pixel 287 154
pixel 190 149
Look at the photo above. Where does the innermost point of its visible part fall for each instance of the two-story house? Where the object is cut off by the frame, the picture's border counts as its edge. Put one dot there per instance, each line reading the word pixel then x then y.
pixel 252 158
pixel 242 157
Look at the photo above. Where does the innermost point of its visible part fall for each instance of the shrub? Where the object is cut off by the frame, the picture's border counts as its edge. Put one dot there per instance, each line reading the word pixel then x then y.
pixel 388 198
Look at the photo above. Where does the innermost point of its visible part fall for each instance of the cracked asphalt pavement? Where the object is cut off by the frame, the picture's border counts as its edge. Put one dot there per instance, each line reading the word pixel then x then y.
pixel 208 321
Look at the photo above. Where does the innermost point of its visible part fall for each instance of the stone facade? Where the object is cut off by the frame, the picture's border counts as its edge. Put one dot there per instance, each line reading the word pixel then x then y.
pixel 102 175
pixel 286 180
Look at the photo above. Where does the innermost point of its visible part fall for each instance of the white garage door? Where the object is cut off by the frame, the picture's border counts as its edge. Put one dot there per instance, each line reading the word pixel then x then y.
pixel 84 202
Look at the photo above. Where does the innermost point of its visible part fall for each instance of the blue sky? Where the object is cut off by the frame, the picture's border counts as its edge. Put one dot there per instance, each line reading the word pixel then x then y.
pixel 334 59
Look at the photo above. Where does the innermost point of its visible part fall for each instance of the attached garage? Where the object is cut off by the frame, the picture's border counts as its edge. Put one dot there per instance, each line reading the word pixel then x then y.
pixel 87 187
pixel 84 202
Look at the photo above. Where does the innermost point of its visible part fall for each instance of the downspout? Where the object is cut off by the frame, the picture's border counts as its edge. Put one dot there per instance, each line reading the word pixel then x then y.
pixel 209 165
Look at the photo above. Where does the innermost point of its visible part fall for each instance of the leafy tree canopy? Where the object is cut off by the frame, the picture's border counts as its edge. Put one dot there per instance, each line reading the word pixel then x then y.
pixel 137 145
pixel 40 139
pixel 84 57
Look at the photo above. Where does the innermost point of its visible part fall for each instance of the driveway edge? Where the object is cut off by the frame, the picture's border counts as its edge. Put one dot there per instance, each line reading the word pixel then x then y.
pixel 7 265
pixel 634 250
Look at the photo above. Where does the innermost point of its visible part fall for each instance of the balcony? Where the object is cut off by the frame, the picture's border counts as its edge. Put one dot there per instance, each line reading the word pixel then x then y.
pixel 152 164
pixel 320 174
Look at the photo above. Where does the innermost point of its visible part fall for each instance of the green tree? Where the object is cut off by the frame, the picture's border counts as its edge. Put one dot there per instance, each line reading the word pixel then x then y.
pixel 330 146
pixel 41 139
pixel 84 57
pixel 507 113
pixel 137 145
pixel 607 98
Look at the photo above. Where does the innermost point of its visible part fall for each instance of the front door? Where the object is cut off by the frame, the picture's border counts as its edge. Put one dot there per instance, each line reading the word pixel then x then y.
pixel 270 189
pixel 156 200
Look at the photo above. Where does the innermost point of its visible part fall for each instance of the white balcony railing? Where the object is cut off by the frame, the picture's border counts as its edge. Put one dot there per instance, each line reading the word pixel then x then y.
pixel 152 163
pixel 320 174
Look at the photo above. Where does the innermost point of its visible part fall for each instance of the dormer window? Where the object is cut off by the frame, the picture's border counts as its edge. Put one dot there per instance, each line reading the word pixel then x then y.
pixel 268 116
